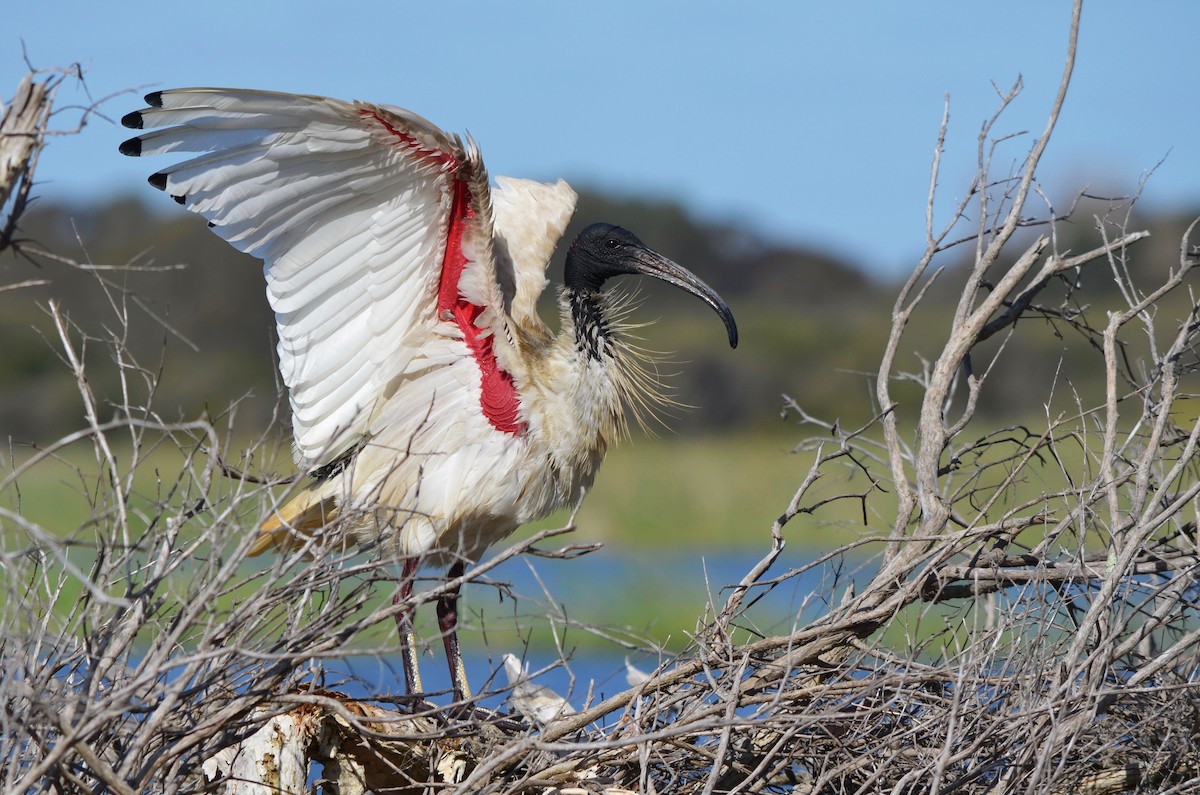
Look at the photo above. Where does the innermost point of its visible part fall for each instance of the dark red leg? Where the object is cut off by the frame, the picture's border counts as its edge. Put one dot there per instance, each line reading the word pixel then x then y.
pixel 447 610
pixel 404 625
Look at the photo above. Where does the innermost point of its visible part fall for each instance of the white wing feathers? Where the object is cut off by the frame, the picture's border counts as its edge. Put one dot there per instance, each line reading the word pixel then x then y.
pixel 530 218
pixel 348 204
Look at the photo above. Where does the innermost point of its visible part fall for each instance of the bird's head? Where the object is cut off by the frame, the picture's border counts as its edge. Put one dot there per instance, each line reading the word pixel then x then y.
pixel 602 251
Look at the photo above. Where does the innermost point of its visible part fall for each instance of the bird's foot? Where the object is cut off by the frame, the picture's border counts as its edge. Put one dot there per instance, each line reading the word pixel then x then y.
pixel 469 717
pixel 417 703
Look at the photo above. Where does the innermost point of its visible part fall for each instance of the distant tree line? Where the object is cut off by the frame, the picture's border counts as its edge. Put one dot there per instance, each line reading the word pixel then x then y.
pixel 812 324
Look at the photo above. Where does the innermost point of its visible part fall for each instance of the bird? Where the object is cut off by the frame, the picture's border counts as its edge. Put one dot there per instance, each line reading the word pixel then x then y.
pixel 536 702
pixel 635 676
pixel 433 411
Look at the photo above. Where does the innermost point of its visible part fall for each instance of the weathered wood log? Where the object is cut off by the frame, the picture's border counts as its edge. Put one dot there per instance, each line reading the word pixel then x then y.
pixel 273 759
pixel 358 746
pixel 22 125
pixel 335 744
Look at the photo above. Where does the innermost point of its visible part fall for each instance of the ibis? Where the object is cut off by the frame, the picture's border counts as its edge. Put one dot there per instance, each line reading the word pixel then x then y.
pixel 432 409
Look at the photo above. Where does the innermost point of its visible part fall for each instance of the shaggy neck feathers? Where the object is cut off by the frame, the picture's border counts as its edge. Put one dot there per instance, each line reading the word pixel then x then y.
pixel 593 332
pixel 596 329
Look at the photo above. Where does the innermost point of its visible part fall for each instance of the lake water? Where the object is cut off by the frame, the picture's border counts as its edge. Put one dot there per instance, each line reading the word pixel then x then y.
pixel 634 600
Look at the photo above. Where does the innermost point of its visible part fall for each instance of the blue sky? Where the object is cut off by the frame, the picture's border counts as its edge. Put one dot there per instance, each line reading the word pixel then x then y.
pixel 813 122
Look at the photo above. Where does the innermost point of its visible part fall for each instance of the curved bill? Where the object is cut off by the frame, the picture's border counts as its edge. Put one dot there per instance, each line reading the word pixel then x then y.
pixel 650 263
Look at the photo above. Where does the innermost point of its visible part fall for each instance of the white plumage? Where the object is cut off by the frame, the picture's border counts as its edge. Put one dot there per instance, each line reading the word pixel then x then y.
pixel 537 702
pixel 435 409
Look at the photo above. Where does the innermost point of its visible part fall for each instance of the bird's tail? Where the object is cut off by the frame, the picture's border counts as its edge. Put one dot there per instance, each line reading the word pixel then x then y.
pixel 291 525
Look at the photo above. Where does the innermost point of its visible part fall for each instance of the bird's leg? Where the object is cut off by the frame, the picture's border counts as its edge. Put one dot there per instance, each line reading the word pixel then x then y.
pixel 447 610
pixel 404 624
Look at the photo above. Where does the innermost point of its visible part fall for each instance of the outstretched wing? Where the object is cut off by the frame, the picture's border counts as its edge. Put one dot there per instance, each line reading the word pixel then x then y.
pixel 374 227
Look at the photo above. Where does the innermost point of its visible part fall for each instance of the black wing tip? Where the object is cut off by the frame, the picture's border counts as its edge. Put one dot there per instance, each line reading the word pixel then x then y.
pixel 159 180
pixel 133 120
pixel 132 147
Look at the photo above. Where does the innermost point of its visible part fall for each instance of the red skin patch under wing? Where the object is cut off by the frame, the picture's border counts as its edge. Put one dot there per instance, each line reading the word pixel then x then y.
pixel 498 398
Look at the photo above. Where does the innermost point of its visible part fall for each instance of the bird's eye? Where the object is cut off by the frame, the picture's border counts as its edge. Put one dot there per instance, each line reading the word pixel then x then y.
pixel 611 243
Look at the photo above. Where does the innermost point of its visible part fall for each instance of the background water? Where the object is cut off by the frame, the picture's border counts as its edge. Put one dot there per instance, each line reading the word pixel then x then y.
pixel 606 607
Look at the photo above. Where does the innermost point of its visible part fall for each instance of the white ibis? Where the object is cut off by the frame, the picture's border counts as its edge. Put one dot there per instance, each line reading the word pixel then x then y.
pixel 432 407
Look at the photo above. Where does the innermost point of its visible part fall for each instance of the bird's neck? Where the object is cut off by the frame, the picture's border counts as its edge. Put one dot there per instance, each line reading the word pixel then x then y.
pixel 589 322
pixel 605 379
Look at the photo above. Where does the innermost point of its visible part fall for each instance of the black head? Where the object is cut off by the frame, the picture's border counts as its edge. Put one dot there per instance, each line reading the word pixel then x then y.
pixel 602 251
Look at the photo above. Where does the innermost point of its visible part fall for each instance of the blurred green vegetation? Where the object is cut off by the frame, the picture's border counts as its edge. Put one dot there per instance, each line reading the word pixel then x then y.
pixel 661 507
pixel 708 492
pixel 680 518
